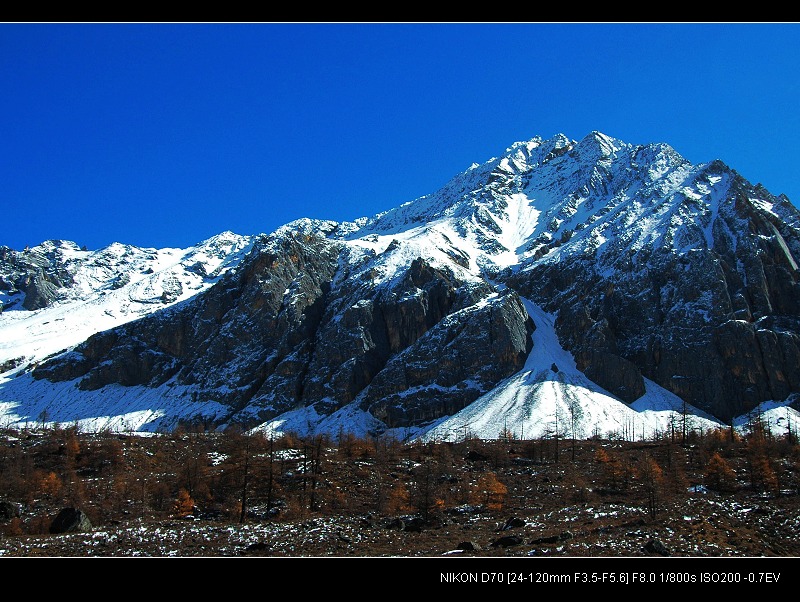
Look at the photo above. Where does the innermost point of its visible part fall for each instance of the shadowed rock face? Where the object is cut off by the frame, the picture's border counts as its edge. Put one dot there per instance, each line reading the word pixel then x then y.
pixel 718 326
pixel 287 330
pixel 453 363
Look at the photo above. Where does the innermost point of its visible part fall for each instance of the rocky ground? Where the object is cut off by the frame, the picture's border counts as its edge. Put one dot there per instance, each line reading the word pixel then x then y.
pixel 546 506
pixel 704 526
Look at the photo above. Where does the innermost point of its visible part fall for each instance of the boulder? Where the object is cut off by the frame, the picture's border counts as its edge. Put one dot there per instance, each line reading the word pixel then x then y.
pixel 70 520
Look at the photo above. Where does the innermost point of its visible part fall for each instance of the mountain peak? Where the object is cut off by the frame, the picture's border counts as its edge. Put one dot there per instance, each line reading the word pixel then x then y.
pixel 596 145
pixel 641 273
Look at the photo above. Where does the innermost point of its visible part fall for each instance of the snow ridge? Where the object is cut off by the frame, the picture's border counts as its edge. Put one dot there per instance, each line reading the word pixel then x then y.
pixel 111 286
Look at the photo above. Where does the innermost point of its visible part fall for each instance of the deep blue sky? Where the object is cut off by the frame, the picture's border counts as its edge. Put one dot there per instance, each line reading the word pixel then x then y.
pixel 161 135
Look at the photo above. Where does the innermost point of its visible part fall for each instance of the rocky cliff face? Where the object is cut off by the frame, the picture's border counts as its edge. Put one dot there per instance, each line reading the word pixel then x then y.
pixel 656 269
pixel 60 271
pixel 33 278
pixel 287 329
pixel 708 306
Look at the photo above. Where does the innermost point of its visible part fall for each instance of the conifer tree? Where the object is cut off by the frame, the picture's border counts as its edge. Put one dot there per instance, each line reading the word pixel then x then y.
pixel 490 492
pixel 719 475
pixel 652 477
pixel 184 504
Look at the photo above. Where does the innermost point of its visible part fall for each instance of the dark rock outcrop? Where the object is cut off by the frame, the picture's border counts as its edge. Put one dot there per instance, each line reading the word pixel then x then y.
pixel 512 523
pixel 297 325
pixel 70 520
pixel 711 312
pixel 506 541
pixel 654 546
pixel 448 368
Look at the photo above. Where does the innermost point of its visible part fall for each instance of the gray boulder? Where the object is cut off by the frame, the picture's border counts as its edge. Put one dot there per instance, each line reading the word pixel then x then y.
pixel 70 520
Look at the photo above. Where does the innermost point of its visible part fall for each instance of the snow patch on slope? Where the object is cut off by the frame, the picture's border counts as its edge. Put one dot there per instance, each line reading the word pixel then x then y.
pixel 27 402
pixel 518 224
pixel 550 397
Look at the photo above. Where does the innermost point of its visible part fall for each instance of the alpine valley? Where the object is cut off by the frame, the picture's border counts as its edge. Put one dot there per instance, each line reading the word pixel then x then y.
pixel 571 288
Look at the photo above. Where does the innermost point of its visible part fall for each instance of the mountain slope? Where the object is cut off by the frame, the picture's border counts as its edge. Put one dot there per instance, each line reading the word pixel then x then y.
pixel 70 293
pixel 594 279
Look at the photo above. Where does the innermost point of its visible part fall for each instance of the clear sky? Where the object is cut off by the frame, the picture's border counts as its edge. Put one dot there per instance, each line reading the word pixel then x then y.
pixel 162 135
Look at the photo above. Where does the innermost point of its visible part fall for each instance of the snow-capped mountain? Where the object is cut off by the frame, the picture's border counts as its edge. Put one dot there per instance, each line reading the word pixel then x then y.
pixel 572 287
pixel 70 293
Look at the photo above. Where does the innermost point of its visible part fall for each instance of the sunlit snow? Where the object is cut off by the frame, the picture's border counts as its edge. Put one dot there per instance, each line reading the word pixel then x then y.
pixel 551 397
pixel 544 201
pixel 158 278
